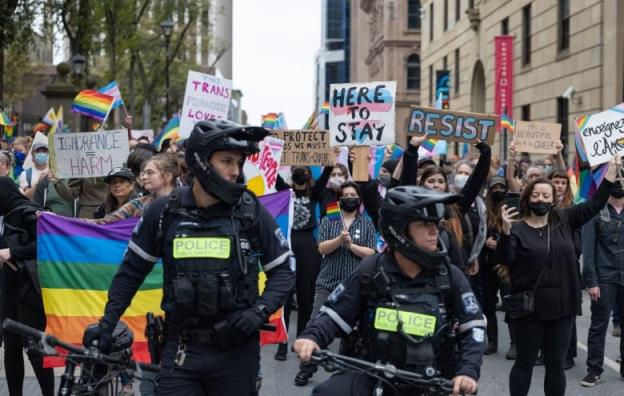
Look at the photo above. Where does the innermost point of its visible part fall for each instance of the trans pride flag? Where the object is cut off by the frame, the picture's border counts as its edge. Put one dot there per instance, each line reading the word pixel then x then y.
pixel 77 262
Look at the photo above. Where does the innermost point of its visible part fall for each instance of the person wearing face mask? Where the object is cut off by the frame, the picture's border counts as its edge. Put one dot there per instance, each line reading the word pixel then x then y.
pixel 602 272
pixel 30 177
pixel 540 254
pixel 332 176
pixel 20 149
pixel 342 245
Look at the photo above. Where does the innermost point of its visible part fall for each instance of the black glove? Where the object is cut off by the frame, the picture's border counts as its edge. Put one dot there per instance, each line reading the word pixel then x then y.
pixel 248 321
pixel 97 335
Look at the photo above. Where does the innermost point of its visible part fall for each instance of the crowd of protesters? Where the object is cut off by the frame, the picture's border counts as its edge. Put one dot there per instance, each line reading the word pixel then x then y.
pixel 503 246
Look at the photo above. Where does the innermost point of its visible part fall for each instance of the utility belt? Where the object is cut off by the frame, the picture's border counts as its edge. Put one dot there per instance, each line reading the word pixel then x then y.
pixel 205 295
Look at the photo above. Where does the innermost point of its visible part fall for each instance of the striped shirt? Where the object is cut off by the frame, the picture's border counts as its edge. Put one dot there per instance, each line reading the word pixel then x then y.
pixel 337 265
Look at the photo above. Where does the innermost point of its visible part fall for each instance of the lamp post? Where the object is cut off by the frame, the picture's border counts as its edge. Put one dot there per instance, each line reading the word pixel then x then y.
pixel 78 63
pixel 167 29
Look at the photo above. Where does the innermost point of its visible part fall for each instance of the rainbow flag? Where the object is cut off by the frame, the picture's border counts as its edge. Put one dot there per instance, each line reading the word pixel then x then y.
pixel 5 120
pixel 312 122
pixel 324 108
pixel 112 89
pixel 273 121
pixel 333 211
pixel 507 122
pixel 429 144
pixel 77 262
pixel 49 117
pixel 170 131
pixel 92 104
pixel 580 147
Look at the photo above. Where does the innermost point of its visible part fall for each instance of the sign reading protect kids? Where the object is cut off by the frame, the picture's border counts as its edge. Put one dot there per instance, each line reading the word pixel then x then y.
pixel 452 125
pixel 362 114
pixel 206 98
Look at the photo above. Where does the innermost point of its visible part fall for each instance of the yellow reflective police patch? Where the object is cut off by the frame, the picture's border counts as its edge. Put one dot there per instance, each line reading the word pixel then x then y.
pixel 416 324
pixel 203 247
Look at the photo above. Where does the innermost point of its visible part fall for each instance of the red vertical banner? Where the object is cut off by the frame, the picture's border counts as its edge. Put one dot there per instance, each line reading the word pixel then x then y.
pixel 503 78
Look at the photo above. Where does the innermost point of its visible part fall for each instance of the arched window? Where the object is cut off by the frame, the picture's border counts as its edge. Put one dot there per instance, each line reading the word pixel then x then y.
pixel 413 14
pixel 413 72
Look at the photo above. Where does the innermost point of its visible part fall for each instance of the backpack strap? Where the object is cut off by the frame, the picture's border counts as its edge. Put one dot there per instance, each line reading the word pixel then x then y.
pixel 165 217
pixel 29 173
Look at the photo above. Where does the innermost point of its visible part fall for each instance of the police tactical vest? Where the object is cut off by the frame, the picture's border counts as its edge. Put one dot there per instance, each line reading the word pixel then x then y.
pixel 211 265
pixel 419 341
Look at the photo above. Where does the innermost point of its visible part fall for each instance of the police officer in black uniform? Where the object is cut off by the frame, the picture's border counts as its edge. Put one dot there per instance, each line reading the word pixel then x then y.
pixel 212 237
pixel 441 325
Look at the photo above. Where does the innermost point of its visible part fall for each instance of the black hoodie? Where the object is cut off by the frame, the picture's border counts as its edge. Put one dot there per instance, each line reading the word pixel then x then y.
pixel 22 247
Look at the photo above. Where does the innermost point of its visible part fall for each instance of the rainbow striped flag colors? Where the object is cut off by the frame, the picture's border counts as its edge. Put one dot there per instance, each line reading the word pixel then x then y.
pixel 77 262
pixel 112 89
pixel 312 122
pixel 507 122
pixel 273 121
pixel 333 211
pixel 92 104
pixel 170 131
pixel 324 108
pixel 5 120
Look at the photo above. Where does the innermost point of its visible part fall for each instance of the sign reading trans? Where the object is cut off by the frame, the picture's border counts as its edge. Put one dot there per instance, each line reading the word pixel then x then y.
pixel 362 114
pixel 206 98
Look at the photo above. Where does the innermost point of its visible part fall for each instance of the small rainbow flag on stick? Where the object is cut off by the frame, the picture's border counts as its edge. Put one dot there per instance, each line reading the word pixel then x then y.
pixel 333 211
pixel 507 122
pixel 170 131
pixel 324 108
pixel 5 120
pixel 93 104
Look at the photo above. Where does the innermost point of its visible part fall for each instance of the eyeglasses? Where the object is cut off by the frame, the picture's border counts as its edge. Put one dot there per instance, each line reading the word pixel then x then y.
pixel 148 173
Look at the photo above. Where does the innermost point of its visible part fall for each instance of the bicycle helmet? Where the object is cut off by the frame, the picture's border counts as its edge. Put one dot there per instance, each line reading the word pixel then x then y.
pixel 405 204
pixel 209 137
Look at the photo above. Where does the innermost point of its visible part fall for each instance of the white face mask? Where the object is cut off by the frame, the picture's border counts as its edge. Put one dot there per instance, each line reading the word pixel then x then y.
pixel 336 181
pixel 460 181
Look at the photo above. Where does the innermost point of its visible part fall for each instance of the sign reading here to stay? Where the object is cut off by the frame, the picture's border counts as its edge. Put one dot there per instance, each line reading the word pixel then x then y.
pixel 90 154
pixel 452 125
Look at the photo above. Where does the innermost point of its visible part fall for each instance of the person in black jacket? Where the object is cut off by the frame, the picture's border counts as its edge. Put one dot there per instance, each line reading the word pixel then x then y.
pixel 540 253
pixel 21 294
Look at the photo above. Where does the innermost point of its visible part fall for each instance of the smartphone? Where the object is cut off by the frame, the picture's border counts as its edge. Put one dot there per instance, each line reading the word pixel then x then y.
pixel 512 200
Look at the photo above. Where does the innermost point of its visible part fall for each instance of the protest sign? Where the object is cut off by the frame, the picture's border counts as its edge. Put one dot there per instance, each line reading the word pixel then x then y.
pixel 452 125
pixel 261 169
pixel 602 134
pixel 206 98
pixel 90 154
pixel 362 114
pixel 304 147
pixel 536 137
pixel 137 133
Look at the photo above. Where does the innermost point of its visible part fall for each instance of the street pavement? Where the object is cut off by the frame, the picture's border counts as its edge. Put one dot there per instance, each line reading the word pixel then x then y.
pixel 278 376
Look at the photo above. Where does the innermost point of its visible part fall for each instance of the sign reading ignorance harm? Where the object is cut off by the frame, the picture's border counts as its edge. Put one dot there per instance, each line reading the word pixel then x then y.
pixel 90 154
pixel 536 137
pixel 206 98
pixel 362 114
pixel 603 134
pixel 305 147
pixel 452 125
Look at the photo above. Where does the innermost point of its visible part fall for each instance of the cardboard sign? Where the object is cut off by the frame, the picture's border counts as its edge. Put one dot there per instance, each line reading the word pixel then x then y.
pixel 206 98
pixel 362 114
pixel 90 154
pixel 137 133
pixel 261 169
pixel 536 137
pixel 305 147
pixel 603 134
pixel 452 125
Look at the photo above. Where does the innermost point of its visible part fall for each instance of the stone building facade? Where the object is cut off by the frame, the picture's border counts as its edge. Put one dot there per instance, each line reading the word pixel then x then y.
pixel 558 44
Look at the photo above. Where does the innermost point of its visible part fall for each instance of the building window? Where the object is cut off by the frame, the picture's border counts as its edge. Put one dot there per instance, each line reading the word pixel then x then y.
pixel 413 14
pixel 564 25
pixel 526 35
pixel 445 63
pixel 413 72
pixel 457 71
pixel 562 118
pixel 431 82
pixel 457 10
pixel 335 73
pixel 445 23
pixel 505 26
pixel 471 4
pixel 525 111
pixel 335 19
pixel 431 21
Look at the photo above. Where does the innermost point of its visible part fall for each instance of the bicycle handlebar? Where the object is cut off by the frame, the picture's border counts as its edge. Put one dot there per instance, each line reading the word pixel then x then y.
pixel 94 354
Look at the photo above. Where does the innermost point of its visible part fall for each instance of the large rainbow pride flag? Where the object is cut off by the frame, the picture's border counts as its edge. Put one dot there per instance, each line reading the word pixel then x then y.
pixel 77 262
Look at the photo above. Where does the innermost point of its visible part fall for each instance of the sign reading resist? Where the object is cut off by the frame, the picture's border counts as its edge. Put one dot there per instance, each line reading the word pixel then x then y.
pixel 90 154
pixel 452 125
pixel 362 114
pixel 206 98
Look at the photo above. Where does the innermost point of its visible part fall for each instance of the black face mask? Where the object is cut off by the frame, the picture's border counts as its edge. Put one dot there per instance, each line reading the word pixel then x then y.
pixel 300 178
pixel 540 208
pixel 498 196
pixel 349 204
pixel 617 193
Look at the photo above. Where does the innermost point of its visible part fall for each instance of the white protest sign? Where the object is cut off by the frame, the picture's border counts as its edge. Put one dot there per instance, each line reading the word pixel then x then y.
pixel 362 114
pixel 90 154
pixel 261 169
pixel 602 134
pixel 206 98
pixel 137 133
